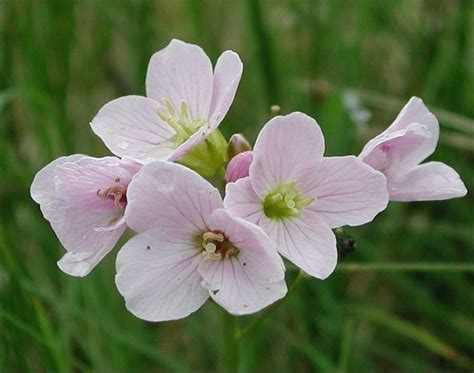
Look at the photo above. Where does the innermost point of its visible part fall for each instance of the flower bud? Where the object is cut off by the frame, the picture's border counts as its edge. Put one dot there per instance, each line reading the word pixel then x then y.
pixel 238 144
pixel 238 166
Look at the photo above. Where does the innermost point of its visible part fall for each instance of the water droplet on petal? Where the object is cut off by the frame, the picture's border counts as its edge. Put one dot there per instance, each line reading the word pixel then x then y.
pixel 123 145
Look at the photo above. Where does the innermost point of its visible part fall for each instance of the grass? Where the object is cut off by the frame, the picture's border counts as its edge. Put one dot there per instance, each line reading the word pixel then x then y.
pixel 60 61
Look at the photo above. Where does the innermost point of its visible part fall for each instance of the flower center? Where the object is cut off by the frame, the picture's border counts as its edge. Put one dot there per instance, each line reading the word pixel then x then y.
pixel 285 202
pixel 118 194
pixel 179 120
pixel 215 246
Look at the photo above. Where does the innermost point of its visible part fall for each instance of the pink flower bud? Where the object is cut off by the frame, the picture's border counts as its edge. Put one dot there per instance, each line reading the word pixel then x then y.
pixel 238 166
pixel 238 144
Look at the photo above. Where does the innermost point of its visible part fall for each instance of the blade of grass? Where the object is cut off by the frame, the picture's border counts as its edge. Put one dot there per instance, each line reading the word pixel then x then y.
pixel 413 332
pixel 406 267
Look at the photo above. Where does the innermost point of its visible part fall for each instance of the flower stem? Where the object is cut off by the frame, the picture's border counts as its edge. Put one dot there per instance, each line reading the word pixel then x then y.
pixel 230 355
pixel 263 316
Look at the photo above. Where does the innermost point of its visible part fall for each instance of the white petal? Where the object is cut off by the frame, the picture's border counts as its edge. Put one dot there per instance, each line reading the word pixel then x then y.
pixel 171 196
pixel 242 201
pixel 80 264
pixel 428 182
pixel 346 191
pixel 283 148
pixel 307 242
pixel 227 76
pixel 181 72
pixel 158 277
pixel 130 126
pixel 252 279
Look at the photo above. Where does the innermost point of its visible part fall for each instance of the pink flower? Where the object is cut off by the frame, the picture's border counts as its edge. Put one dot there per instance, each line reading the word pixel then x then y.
pixel 185 102
pixel 84 199
pixel 399 150
pixel 189 248
pixel 238 166
pixel 297 196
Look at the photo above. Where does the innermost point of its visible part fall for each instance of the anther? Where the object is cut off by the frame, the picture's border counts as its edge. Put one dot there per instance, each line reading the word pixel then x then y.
pixel 277 197
pixel 219 237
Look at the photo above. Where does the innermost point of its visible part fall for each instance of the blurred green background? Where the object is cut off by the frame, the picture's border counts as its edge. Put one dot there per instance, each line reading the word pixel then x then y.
pixel 350 64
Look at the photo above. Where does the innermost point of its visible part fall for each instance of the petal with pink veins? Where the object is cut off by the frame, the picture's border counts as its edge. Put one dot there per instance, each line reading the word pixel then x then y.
pixel 393 152
pixel 283 148
pixel 307 241
pixel 346 191
pixel 181 72
pixel 130 126
pixel 227 74
pixel 43 189
pixel 428 182
pixel 86 215
pixel 241 200
pixel 157 274
pixel 250 280
pixel 171 196
pixel 82 263
pixel 413 113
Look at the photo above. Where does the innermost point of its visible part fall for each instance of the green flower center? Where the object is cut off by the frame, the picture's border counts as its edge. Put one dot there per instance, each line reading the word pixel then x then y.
pixel 179 120
pixel 215 246
pixel 285 201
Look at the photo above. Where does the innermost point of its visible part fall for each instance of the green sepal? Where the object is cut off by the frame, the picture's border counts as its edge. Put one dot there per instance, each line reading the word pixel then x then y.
pixel 207 157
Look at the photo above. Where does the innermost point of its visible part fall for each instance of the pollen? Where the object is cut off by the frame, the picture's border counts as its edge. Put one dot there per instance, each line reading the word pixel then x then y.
pixel 215 246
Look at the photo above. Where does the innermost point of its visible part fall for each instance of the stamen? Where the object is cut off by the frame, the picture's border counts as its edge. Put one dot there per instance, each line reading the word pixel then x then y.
pixel 184 110
pixel 180 121
pixel 219 237
pixel 291 204
pixel 115 192
pixel 169 105
pixel 277 197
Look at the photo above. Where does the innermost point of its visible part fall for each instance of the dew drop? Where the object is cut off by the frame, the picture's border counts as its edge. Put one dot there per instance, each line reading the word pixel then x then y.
pixel 123 145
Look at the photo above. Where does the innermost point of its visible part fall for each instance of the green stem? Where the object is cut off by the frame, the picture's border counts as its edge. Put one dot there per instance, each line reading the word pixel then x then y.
pixel 230 355
pixel 263 316
pixel 406 267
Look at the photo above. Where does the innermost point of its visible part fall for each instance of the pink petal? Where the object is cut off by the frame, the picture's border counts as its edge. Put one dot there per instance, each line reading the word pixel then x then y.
pixel 181 71
pixel 80 264
pixel 249 281
pixel 413 113
pixel 74 214
pixel 158 277
pixel 307 242
pixel 347 191
pixel 283 148
pixel 428 182
pixel 171 196
pixel 395 152
pixel 83 212
pixel 130 126
pixel 43 189
pixel 227 74
pixel 242 201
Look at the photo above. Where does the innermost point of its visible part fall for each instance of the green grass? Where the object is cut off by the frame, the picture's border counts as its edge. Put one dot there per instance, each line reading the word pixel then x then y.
pixel 60 61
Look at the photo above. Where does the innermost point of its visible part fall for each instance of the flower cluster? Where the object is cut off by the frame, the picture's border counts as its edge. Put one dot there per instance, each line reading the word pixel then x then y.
pixel 192 242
